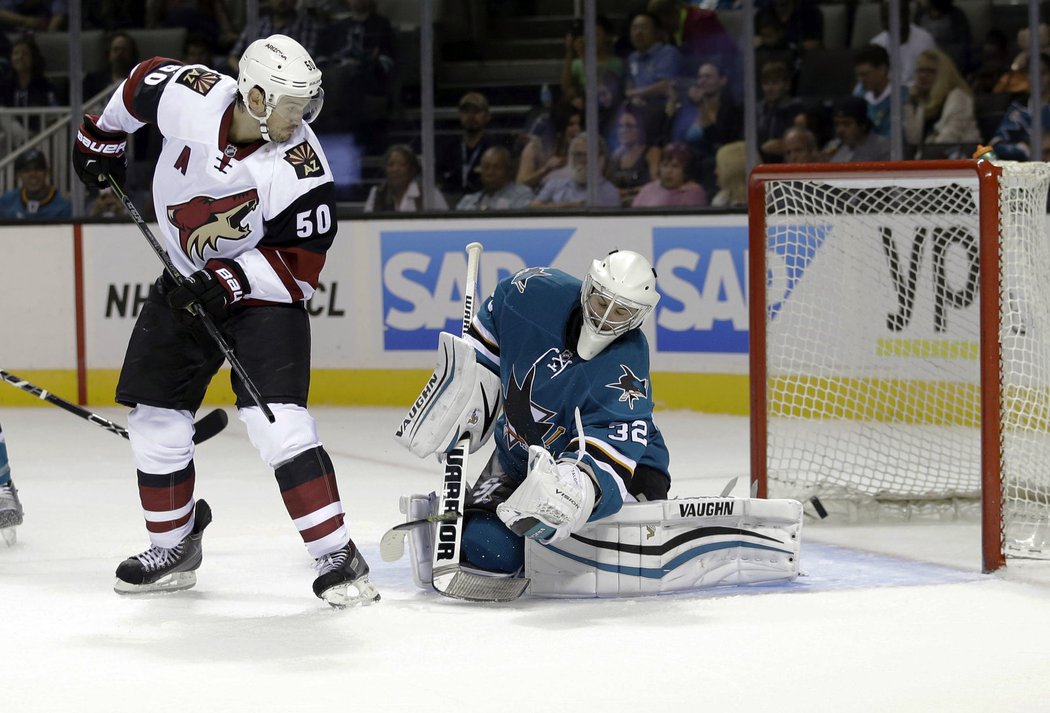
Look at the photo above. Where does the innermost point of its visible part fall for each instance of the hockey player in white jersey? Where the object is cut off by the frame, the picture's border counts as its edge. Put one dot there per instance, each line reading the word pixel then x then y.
pixel 245 204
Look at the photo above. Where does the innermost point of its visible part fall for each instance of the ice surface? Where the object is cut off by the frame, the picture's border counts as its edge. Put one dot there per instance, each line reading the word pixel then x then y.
pixel 886 619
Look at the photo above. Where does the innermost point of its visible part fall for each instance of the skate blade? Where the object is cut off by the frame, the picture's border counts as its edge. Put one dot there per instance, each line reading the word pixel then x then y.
pixel 348 594
pixel 10 536
pixel 174 582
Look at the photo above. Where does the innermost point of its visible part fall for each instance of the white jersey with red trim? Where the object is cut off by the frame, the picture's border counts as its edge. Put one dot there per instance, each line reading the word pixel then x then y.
pixel 270 207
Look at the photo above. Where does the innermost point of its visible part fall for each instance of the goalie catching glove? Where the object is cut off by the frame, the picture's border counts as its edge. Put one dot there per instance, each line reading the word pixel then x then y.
pixel 553 501
pixel 461 398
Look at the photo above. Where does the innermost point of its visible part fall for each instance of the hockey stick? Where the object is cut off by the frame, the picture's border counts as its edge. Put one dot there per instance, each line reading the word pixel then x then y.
pixel 449 578
pixel 392 543
pixel 197 308
pixel 210 425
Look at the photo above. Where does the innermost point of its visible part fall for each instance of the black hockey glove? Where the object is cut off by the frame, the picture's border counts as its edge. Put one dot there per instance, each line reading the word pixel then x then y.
pixel 216 287
pixel 98 153
pixel 649 483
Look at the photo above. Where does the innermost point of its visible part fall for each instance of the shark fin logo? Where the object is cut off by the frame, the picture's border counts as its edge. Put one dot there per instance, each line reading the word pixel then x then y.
pixel 522 278
pixel 631 388
pixel 202 220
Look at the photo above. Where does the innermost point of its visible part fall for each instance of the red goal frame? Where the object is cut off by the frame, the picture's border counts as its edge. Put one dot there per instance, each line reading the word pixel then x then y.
pixel 988 175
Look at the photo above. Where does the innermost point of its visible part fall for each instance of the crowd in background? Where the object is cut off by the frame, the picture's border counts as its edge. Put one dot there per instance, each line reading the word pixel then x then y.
pixel 669 93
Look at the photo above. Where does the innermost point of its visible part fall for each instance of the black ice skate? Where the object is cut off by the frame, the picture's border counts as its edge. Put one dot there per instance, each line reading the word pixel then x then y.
pixel 343 580
pixel 10 512
pixel 162 569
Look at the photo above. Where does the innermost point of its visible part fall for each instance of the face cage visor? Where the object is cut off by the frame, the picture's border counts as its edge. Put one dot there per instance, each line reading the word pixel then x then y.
pixel 608 314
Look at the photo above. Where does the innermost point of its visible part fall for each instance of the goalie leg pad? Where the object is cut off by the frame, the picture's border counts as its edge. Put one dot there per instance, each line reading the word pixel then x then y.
pixel 421 538
pixel 672 546
pixel 460 398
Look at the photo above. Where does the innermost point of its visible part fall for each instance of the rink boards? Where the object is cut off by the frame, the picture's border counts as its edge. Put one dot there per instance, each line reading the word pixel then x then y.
pixel 70 295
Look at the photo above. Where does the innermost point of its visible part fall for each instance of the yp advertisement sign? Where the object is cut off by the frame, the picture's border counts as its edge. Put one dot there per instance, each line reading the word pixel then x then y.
pixel 424 273
pixel 703 286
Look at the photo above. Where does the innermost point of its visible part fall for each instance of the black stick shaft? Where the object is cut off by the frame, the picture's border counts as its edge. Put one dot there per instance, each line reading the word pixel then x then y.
pixel 62 403
pixel 198 310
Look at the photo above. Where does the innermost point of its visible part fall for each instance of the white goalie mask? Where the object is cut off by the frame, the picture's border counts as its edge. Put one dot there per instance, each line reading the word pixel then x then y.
pixel 286 74
pixel 618 294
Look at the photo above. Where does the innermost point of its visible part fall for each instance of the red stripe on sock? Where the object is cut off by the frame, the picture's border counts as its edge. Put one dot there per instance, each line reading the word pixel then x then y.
pixel 165 497
pixel 169 525
pixel 323 529
pixel 311 496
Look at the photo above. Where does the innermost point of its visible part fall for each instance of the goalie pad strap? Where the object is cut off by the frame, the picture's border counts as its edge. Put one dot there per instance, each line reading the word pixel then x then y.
pixel 671 546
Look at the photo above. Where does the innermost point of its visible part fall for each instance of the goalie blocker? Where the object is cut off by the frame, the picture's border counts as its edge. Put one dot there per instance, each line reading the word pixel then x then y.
pixel 651 548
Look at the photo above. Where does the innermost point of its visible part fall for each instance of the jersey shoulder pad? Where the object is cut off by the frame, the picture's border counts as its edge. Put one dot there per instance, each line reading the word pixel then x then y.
pixel 146 84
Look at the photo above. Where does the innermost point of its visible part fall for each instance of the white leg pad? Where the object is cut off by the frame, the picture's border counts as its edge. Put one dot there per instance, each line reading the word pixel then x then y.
pixel 671 546
pixel 292 432
pixel 421 537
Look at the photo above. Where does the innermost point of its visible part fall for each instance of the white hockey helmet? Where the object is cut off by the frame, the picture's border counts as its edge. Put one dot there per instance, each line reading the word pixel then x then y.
pixel 281 67
pixel 618 294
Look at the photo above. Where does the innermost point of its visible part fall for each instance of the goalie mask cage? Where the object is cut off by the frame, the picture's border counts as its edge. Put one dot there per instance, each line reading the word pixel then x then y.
pixel 900 343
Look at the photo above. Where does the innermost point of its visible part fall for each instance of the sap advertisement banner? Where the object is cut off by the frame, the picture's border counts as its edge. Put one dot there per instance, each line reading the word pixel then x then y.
pixel 389 287
pixel 701 321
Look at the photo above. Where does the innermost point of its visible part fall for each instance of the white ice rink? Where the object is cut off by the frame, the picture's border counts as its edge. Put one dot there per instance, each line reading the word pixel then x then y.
pixel 887 619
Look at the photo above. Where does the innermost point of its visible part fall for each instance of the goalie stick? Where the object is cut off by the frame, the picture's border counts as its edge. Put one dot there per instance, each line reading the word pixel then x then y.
pixel 392 543
pixel 210 425
pixel 449 578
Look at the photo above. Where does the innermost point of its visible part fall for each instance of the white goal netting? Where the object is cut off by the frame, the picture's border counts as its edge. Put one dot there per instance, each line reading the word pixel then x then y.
pixel 873 346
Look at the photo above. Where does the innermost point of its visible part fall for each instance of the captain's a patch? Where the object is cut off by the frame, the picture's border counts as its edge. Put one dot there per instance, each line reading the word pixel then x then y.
pixel 304 160
pixel 201 81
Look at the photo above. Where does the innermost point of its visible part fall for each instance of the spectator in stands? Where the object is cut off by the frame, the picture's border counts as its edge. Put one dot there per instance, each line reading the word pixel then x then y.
pixel 633 162
pixel 122 54
pixel 772 43
pixel 802 21
pixel 1015 79
pixel 200 17
pixel 800 146
pixel 107 205
pixel 281 19
pixel 731 174
pixel 672 187
pixel 993 63
pixel 939 109
pixel 546 153
pixel 113 15
pixel 197 50
pixel 698 35
pixel 36 197
pixel 611 69
pixel 949 27
pixel 32 15
pixel 457 161
pixel 871 64
pixel 401 191
pixel 652 69
pixel 708 118
pixel 776 111
pixel 358 58
pixel 25 85
pixel 913 40
pixel 856 139
pixel 571 191
pixel 1012 139
pixel 498 189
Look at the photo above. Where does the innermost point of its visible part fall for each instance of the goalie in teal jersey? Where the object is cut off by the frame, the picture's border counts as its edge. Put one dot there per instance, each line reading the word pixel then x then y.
pixel 557 372
pixel 10 506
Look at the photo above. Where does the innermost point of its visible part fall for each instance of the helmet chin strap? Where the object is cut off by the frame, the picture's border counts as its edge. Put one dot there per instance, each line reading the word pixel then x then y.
pixel 262 120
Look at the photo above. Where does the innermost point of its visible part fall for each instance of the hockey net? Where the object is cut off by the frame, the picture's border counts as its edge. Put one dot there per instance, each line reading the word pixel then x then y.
pixel 900 343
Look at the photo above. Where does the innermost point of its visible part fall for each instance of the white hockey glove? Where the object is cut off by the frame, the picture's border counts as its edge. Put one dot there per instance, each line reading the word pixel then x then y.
pixel 460 398
pixel 554 500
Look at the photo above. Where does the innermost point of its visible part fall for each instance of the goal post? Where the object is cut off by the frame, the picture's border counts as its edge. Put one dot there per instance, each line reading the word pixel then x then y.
pixel 900 343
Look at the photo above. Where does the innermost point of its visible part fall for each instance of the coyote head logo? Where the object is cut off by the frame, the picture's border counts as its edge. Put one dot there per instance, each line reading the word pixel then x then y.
pixel 203 220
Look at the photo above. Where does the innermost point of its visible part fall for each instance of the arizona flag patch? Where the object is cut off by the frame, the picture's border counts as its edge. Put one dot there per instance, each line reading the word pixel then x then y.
pixel 304 160
pixel 199 80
